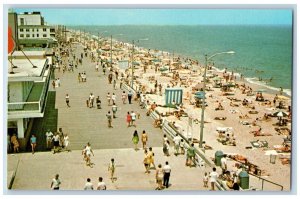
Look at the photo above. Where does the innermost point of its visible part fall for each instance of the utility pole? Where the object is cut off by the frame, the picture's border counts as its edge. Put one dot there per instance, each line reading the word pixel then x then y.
pixel 132 64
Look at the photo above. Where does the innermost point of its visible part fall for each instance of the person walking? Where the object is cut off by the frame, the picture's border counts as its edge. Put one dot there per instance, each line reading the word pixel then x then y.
pixel 128 119
pixel 111 169
pixel 159 175
pixel 144 139
pixel 49 136
pixel 167 173
pixel 124 97
pixel 114 84
pixel 33 143
pixel 176 141
pixel 224 164
pixel 114 109
pixel 146 161
pixel 108 98
pixel 151 156
pixel 190 154
pixel 133 118
pixel 56 139
pixel 213 176
pixel 129 95
pixel 91 99
pixel 181 146
pixel 98 102
pixel 88 185
pixel 66 142
pixel 68 100
pixel 166 148
pixel 135 139
pixel 55 183
pixel 113 98
pixel 101 185
pixel 88 152
pixel 109 119
pixel 205 180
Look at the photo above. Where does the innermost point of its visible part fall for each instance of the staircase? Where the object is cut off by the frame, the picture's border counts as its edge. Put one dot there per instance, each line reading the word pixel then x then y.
pixel 41 125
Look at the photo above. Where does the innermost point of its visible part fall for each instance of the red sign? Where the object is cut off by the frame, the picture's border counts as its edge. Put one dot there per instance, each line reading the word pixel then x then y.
pixel 11 43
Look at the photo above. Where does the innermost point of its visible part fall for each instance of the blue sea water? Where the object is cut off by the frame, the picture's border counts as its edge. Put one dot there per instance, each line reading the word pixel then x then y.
pixel 260 51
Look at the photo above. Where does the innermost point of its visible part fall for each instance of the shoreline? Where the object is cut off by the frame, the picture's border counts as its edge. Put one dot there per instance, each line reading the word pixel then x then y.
pixel 253 81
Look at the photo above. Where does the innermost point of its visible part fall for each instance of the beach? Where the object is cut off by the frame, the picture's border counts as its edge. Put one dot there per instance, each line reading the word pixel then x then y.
pixel 242 120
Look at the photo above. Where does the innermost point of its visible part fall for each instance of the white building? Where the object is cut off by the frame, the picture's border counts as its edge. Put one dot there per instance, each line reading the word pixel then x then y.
pixel 33 32
pixel 28 84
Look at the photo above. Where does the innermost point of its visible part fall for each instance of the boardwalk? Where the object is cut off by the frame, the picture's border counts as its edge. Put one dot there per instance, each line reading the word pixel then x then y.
pixel 84 124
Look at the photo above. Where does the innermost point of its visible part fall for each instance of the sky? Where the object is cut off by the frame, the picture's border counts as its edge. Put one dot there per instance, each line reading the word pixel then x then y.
pixel 87 16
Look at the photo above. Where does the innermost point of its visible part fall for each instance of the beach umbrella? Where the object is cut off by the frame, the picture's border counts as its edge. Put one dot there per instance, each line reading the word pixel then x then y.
pixel 156 60
pixel 280 114
pixel 217 78
pixel 199 86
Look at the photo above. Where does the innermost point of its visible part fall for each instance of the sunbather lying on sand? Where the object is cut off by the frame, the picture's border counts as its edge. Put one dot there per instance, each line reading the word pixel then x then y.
pixel 220 118
pixel 260 133
pixel 282 148
pixel 234 105
pixel 244 116
pixel 238 158
pixel 220 107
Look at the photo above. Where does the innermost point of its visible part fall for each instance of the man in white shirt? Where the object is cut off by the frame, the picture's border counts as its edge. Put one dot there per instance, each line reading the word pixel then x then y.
pixel 176 141
pixel 167 173
pixel 101 185
pixel 133 118
pixel 224 164
pixel 88 185
pixel 49 136
pixel 91 98
pixel 114 98
pixel 213 178
pixel 55 183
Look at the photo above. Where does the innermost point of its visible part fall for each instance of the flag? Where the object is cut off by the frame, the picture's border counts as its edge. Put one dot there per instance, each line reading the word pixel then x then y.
pixel 11 43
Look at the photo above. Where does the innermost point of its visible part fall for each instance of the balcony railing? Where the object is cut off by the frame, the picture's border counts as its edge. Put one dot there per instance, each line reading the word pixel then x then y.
pixel 36 101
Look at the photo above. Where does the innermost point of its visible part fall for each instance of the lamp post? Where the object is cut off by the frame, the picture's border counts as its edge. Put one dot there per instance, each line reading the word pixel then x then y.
pixel 204 86
pixel 132 67
pixel 111 50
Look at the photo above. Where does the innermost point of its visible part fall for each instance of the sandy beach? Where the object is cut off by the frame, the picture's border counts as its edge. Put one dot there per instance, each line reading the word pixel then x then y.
pixel 242 118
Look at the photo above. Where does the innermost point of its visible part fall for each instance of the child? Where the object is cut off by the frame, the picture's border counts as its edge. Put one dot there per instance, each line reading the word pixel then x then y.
pixel 205 180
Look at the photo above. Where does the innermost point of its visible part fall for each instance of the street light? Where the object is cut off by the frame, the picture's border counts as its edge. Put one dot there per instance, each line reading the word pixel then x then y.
pixel 203 100
pixel 111 50
pixel 146 39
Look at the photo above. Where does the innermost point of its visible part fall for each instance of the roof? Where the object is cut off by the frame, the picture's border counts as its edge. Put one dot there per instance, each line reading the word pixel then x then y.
pixel 25 68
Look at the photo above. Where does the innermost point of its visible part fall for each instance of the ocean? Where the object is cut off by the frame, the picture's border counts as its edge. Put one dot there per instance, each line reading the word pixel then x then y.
pixel 261 52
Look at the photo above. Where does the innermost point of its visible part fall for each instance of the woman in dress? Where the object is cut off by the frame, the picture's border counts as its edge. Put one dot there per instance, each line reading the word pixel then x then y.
pixel 135 139
pixel 159 177
pixel 66 142
pixel 128 119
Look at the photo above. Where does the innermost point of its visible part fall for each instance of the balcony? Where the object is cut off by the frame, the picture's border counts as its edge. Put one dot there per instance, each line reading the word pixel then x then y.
pixel 34 106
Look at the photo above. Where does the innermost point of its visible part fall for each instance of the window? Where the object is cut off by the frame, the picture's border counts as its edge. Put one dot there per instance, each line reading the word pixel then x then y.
pixel 44 29
pixel 32 35
pixel 44 35
pixel 27 35
pixel 22 21
pixel 21 29
pixel 27 30
pixel 37 35
pixel 21 35
pixel 52 30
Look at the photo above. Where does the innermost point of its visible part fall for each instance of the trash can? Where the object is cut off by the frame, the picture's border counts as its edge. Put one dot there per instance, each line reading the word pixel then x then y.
pixel 244 180
pixel 218 156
